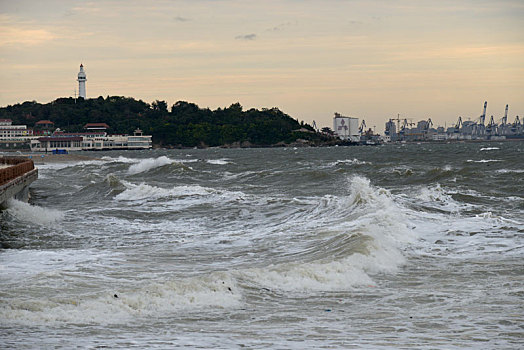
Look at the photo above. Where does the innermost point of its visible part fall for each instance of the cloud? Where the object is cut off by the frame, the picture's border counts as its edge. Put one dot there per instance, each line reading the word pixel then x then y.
pixel 280 27
pixel 180 19
pixel 246 37
pixel 20 36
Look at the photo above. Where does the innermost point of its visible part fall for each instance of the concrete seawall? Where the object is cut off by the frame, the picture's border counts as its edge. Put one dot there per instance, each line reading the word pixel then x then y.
pixel 16 174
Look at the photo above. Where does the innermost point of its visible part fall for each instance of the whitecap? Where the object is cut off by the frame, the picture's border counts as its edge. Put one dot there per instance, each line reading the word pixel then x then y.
pixel 217 161
pixel 353 161
pixel 33 214
pixel 158 299
pixel 483 161
pixel 148 164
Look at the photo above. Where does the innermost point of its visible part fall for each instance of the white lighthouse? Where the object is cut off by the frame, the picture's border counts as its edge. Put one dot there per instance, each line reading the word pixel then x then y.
pixel 82 82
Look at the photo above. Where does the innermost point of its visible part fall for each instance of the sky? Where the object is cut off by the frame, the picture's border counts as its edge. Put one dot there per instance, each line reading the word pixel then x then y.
pixel 369 59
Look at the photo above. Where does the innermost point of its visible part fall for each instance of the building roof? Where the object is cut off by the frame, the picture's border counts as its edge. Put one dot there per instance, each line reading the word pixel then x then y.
pixel 66 134
pixel 96 126
pixel 44 122
pixel 78 138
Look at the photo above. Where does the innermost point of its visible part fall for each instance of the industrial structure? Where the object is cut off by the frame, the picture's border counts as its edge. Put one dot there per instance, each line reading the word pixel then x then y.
pixel 346 128
pixel 398 129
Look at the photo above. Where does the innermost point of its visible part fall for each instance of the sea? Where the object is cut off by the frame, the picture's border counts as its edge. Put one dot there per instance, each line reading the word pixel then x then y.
pixel 397 246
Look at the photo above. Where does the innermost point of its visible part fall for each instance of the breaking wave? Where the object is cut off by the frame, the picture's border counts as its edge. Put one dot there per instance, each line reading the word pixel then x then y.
pixel 148 164
pixel 218 161
pixel 483 161
pixel 143 191
pixel 365 240
pixel 217 290
pixel 33 214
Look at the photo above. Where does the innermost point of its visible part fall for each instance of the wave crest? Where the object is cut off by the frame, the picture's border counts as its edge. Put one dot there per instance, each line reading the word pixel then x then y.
pixel 148 164
pixel 33 214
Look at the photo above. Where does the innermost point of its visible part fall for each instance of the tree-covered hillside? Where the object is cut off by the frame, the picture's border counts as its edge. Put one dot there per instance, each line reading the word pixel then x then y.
pixel 183 125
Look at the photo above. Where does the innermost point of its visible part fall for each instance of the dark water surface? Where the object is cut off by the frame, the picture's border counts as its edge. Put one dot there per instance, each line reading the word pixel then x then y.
pixel 395 246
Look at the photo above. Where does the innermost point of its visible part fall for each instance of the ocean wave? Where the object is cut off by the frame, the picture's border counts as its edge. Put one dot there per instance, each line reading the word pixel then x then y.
pixel 483 160
pixel 353 161
pixel 437 197
pixel 33 214
pixel 509 171
pixel 217 161
pixel 489 148
pixel 143 191
pixel 368 221
pixel 148 164
pixel 216 290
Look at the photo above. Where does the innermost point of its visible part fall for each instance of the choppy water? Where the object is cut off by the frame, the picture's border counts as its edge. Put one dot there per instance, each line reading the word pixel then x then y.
pixel 396 246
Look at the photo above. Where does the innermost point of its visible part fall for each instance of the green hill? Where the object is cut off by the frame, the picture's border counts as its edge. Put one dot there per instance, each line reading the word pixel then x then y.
pixel 183 125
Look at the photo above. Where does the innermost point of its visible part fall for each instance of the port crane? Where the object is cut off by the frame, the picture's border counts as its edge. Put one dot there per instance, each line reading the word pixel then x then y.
pixel 362 127
pixel 504 119
pixel 315 126
pixel 482 118
pixel 429 124
pixel 492 126
pixel 458 125
pixel 516 124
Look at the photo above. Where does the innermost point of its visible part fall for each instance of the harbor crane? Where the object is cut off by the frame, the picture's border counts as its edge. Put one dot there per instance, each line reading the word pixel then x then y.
pixel 492 126
pixel 516 124
pixel 362 127
pixel 429 124
pixel 482 118
pixel 504 120
pixel 458 125
pixel 315 126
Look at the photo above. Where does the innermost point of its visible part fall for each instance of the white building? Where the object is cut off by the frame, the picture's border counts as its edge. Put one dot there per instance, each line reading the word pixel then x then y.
pixel 91 141
pixel 10 132
pixel 346 128
pixel 82 82
pixel 14 136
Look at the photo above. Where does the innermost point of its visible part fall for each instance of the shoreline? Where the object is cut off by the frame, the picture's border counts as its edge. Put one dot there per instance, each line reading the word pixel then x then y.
pixel 39 158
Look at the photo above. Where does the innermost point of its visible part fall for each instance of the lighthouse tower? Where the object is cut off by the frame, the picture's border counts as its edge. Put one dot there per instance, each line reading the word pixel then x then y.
pixel 82 82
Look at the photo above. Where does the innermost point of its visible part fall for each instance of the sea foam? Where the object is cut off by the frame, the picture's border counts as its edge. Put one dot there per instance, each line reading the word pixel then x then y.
pixel 33 214
pixel 148 164
pixel 121 306
pixel 383 230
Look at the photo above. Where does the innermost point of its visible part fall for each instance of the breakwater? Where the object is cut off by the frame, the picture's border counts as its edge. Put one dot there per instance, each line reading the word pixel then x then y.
pixel 16 174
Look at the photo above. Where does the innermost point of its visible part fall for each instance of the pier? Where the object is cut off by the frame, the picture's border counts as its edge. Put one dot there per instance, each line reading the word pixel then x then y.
pixel 16 174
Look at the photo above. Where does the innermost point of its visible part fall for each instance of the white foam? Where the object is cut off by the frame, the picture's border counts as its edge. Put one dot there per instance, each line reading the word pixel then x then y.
pixel 121 159
pixel 144 191
pixel 188 194
pixel 489 148
pixel 33 214
pixel 383 230
pixel 21 264
pixel 437 197
pixel 148 164
pixel 353 161
pixel 217 161
pixel 506 171
pixel 483 161
pixel 216 290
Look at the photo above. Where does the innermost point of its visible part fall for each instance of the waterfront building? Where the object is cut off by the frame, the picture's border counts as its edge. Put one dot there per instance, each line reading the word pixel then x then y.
pixel 91 141
pixel 346 128
pixel 13 136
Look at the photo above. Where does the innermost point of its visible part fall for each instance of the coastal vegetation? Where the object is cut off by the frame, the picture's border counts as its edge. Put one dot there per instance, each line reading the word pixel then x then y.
pixel 184 124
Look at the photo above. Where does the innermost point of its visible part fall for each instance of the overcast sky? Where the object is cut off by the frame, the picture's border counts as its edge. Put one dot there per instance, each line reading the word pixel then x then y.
pixel 310 58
